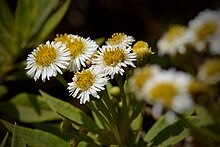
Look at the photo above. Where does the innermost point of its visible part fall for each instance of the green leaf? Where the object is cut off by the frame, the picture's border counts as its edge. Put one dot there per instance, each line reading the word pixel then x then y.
pixel 3 90
pixel 97 121
pixel 136 124
pixel 204 114
pixel 43 9
pixel 8 45
pixel 53 21
pixel 167 135
pixel 158 126
pixel 16 140
pixel 3 143
pixel 69 111
pixel 29 108
pixel 35 137
pixel 23 21
pixel 6 20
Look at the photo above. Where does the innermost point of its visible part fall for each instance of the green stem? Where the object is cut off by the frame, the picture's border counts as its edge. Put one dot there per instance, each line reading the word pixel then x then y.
pixel 61 80
pixel 121 87
pixel 105 119
pixel 111 121
pixel 107 101
pixel 124 121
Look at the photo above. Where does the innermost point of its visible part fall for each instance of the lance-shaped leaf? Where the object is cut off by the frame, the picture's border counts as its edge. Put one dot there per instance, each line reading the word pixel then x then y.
pixel 51 23
pixel 16 140
pixel 3 143
pixel 6 20
pixel 29 108
pixel 35 137
pixel 164 134
pixel 69 111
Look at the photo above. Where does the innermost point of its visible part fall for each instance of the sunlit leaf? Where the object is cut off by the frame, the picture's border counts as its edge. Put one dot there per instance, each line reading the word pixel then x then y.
pixel 28 108
pixel 35 137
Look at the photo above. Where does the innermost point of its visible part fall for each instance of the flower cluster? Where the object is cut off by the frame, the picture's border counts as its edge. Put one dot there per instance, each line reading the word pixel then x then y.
pixel 201 34
pixel 72 53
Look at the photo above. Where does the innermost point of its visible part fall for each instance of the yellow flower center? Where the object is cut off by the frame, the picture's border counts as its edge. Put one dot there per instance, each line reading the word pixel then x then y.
pixel 213 67
pixel 113 57
pixel 175 31
pixel 208 28
pixel 142 76
pixel 164 92
pixel 63 38
pixel 45 55
pixel 117 38
pixel 84 80
pixel 76 48
pixel 141 48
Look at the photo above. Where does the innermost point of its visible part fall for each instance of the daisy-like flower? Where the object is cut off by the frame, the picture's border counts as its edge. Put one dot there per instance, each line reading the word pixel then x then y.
pixel 81 50
pixel 87 82
pixel 170 89
pixel 47 60
pixel 203 28
pixel 120 39
pixel 112 59
pixel 209 72
pixel 140 77
pixel 173 41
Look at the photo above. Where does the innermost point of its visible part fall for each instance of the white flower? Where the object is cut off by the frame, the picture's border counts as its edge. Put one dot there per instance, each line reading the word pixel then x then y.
pixel 112 59
pixel 203 28
pixel 214 46
pixel 169 88
pixel 209 72
pixel 120 39
pixel 81 50
pixel 47 59
pixel 87 82
pixel 173 41
pixel 140 77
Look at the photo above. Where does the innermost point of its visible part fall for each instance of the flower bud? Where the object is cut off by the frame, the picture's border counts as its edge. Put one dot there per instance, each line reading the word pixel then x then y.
pixel 143 51
pixel 115 92
pixel 83 130
pixel 65 126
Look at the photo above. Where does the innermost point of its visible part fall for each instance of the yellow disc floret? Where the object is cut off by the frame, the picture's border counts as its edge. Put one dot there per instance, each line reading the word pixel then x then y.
pixel 205 30
pixel 84 80
pixel 63 38
pixel 164 92
pixel 116 38
pixel 212 67
pixel 113 57
pixel 45 55
pixel 175 31
pixel 76 48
